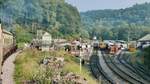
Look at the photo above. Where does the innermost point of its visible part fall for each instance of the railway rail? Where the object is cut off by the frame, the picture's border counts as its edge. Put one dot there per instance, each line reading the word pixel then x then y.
pixel 136 66
pixel 133 69
pixel 129 71
pixel 128 78
pixel 140 68
pixel 97 70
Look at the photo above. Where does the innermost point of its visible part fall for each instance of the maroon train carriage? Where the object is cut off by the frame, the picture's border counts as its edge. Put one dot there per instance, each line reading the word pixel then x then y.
pixel 7 51
pixel 9 44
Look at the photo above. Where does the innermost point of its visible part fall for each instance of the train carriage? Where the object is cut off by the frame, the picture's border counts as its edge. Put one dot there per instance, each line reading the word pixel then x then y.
pixel 7 45
pixel 95 45
pixel 103 46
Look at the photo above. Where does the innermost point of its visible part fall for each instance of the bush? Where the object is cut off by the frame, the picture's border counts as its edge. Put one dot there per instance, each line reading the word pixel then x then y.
pixel 147 57
pixel 28 68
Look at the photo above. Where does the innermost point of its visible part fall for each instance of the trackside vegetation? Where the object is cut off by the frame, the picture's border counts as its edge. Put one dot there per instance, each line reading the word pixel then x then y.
pixel 28 68
pixel 147 57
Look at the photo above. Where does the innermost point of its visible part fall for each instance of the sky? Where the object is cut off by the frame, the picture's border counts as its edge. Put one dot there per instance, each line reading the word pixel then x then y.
pixel 85 5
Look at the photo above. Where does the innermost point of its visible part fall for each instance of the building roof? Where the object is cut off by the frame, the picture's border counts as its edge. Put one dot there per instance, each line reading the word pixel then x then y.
pixel 4 31
pixel 41 34
pixel 46 34
pixel 145 38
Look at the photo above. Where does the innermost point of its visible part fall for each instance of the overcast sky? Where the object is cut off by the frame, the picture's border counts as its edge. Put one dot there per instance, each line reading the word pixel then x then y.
pixel 85 5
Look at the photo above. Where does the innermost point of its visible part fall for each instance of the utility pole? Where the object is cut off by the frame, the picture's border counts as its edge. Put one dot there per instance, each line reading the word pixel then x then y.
pixel 129 35
pixel 100 79
pixel 80 55
pixel 80 64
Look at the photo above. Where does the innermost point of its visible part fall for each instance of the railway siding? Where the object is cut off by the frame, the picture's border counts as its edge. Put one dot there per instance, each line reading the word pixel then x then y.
pixel 107 70
pixel 134 70
pixel 97 70
pixel 130 73
pixel 124 75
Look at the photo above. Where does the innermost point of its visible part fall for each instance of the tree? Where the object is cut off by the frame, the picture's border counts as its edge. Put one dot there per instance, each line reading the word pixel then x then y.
pixel 147 57
pixel 21 34
pixel 55 16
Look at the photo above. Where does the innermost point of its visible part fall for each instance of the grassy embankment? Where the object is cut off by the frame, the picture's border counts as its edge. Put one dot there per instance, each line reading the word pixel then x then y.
pixel 140 57
pixel 28 68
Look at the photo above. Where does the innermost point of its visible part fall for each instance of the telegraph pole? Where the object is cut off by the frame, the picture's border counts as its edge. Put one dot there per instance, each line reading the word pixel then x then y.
pixel 80 63
pixel 80 55
pixel 100 79
pixel 129 35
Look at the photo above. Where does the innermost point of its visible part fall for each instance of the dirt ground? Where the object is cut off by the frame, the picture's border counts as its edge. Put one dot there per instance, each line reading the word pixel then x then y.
pixel 8 69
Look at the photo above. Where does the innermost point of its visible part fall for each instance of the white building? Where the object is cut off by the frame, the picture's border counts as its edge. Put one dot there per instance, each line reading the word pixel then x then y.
pixel 43 41
pixel 46 41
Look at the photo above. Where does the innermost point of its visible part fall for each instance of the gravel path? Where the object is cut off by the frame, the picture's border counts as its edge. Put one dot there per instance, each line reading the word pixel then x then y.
pixel 8 69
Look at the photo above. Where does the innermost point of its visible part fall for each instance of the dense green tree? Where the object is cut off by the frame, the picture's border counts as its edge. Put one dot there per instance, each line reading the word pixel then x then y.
pixel 21 34
pixel 55 16
pixel 128 24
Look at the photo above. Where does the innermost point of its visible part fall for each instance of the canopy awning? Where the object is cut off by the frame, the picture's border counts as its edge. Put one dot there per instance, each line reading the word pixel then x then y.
pixel 145 38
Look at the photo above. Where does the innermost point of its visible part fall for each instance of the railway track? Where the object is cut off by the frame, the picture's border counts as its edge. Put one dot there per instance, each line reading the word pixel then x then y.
pixel 141 68
pixel 133 69
pixel 128 78
pixel 129 70
pixel 136 66
pixel 97 70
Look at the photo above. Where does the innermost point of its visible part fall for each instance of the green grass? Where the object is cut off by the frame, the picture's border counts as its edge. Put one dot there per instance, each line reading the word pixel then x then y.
pixel 74 67
pixel 20 45
pixel 27 66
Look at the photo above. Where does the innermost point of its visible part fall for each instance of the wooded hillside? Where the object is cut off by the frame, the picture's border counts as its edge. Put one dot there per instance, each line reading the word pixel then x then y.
pixel 118 24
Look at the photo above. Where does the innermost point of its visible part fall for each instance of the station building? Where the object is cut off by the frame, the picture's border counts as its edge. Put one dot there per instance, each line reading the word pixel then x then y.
pixel 144 41
pixel 43 41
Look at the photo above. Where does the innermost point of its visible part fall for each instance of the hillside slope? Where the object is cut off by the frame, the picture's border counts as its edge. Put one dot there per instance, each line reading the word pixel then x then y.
pixel 138 14
pixel 117 24
pixel 55 16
